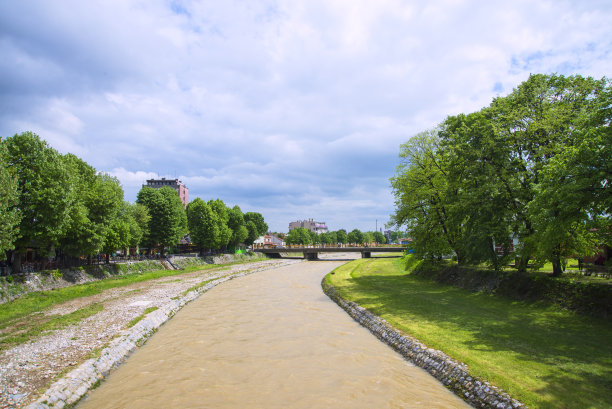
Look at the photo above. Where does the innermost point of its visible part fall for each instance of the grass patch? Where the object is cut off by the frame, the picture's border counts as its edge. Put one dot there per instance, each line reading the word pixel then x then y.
pixel 32 328
pixel 141 316
pixel 541 355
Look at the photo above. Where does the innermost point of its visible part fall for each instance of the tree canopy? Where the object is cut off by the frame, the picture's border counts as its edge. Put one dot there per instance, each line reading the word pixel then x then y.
pixel 10 214
pixel 531 169
pixel 168 223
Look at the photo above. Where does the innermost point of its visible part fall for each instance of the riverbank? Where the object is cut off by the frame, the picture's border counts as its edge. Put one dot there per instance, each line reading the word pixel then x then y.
pixel 28 369
pixel 13 287
pixel 541 355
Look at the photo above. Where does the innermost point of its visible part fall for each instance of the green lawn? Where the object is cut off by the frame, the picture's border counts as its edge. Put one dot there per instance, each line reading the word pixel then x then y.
pixel 543 356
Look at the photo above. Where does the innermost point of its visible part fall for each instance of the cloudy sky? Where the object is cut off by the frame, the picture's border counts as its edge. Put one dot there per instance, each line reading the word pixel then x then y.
pixel 295 108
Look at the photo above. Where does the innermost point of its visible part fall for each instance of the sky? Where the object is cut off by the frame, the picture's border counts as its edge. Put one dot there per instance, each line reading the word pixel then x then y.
pixel 294 109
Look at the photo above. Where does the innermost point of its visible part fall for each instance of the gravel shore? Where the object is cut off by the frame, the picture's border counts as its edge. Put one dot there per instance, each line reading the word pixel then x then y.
pixel 27 370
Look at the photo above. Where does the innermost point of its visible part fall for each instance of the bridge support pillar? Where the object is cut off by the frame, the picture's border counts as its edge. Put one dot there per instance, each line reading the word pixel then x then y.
pixel 311 256
pixel 366 254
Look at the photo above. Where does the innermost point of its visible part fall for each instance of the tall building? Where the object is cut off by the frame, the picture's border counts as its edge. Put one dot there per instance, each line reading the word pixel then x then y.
pixel 317 227
pixel 175 184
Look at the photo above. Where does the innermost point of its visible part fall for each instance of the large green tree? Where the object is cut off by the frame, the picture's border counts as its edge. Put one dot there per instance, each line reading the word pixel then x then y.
pixel 225 232
pixel 341 236
pixel 10 214
pixel 168 222
pixel 532 167
pixel 237 224
pixel 45 193
pixel 98 198
pixel 252 233
pixel 300 235
pixel 258 219
pixel 138 223
pixel 572 200
pixel 480 210
pixel 379 237
pixel 355 237
pixel 203 224
pixel 423 199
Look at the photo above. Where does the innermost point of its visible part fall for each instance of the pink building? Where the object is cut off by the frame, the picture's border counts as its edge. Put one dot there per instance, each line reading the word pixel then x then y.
pixel 175 184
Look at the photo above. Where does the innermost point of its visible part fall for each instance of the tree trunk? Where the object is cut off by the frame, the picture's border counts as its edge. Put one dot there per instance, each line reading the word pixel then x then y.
pixel 17 260
pixel 557 268
pixel 522 264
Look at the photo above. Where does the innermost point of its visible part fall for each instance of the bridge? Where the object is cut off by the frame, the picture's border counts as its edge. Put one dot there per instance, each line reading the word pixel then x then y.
pixel 312 253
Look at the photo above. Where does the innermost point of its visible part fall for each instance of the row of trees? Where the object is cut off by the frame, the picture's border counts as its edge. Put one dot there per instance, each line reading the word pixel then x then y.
pixel 213 225
pixel 302 235
pixel 64 208
pixel 533 167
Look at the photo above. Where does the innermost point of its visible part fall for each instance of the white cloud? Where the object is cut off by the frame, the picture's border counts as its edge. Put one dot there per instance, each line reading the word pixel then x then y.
pixel 295 109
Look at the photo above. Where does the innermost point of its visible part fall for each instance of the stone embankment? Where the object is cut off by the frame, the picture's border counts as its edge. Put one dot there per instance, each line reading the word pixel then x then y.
pixel 454 375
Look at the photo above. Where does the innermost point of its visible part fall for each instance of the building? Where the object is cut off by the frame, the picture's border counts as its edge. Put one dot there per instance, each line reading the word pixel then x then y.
pixel 317 227
pixel 269 240
pixel 175 184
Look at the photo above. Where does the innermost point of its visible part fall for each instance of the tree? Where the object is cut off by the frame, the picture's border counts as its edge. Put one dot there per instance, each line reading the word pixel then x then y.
pixel 203 224
pixel 571 207
pixel 341 236
pixel 479 209
pixel 355 237
pixel 257 218
pixel 225 233
pixel 300 235
pixel 329 238
pixel 97 199
pixel 367 238
pixel 117 236
pixel 168 222
pixel 379 237
pixel 45 192
pixel 252 233
pixel 314 237
pixel 543 117
pixel 139 223
pixel 10 214
pixel 237 224
pixel 423 199
pixel 533 166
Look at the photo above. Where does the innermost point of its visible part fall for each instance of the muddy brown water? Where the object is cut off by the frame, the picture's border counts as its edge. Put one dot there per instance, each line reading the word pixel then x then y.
pixel 268 340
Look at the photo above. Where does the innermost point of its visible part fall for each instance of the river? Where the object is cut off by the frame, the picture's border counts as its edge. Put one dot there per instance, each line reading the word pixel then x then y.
pixel 268 340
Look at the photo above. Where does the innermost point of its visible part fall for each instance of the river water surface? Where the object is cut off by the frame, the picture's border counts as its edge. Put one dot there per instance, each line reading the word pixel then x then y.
pixel 268 340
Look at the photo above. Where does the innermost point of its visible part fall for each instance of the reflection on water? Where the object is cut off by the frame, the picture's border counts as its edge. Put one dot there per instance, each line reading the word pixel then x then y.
pixel 268 340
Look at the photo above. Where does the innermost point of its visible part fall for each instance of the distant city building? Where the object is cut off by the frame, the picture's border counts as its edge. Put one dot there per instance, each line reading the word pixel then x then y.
pixel 175 184
pixel 317 227
pixel 388 235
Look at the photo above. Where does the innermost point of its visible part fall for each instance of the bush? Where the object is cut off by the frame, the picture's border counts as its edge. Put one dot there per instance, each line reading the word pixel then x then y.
pixel 587 298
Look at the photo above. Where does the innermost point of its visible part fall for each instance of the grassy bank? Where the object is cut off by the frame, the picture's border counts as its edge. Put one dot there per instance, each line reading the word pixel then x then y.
pixel 542 355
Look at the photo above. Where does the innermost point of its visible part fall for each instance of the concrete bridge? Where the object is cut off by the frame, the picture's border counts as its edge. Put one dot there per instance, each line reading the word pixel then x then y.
pixel 312 253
